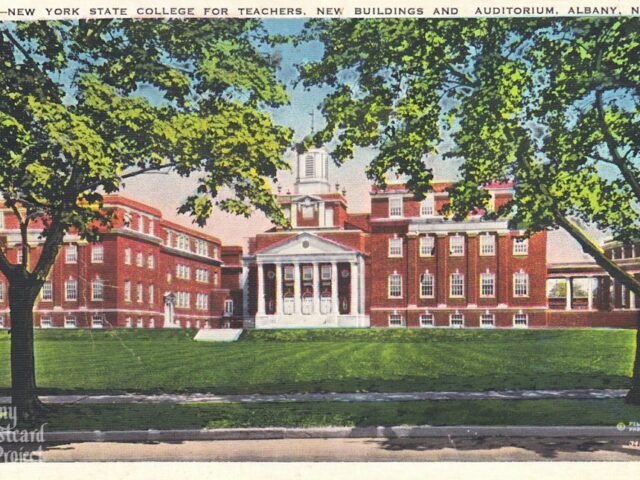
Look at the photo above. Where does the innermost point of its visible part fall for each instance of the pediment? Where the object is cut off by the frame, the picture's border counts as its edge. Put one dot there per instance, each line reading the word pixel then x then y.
pixel 307 244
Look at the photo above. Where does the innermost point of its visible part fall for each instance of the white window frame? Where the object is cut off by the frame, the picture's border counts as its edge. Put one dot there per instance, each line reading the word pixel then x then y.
pixel 396 317
pixel 489 277
pixel 427 245
pixel 97 253
pixel 151 291
pixel 127 256
pixel 427 281
pixel 325 272
pixel 97 290
pixel 520 246
pixel 289 272
pixel 487 245
pixel 100 321
pixel 70 321
pixel 487 316
pixel 425 323
pixel 140 322
pixel 395 247
pixel 428 206
pixel 397 210
pixel 140 292
pixel 2 290
pixel 67 290
pixel 127 290
pixel 139 259
pixel 151 262
pixel 70 254
pixel 307 273
pixel 459 316
pixel 456 248
pixel 397 285
pixel 458 284
pixel 46 321
pixel 47 287
pixel 2 325
pixel 521 284
pixel 128 322
pixel 228 307
pixel 521 325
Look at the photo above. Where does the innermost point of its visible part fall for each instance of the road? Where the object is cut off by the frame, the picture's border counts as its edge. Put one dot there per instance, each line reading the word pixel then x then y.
pixel 365 449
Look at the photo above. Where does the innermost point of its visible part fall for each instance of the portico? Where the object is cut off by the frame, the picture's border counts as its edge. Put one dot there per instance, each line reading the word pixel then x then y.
pixel 310 281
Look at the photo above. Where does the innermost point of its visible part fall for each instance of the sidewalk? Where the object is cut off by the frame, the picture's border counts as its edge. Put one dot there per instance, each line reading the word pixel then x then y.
pixel 337 397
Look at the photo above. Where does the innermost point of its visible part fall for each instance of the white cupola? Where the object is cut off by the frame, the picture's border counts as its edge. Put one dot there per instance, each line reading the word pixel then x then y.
pixel 313 172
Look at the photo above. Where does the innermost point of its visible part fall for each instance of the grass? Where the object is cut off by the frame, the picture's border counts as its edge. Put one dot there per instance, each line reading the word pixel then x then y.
pixel 561 412
pixel 328 360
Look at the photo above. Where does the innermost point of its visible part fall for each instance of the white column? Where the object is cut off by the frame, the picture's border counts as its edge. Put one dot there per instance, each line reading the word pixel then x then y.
pixel 569 294
pixel 279 298
pixel 361 284
pixel 261 309
pixel 354 289
pixel 294 215
pixel 321 222
pixel 296 289
pixel 316 288
pixel 244 282
pixel 590 294
pixel 334 288
pixel 632 300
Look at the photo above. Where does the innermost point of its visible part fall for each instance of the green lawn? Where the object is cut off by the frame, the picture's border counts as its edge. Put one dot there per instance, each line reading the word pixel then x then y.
pixel 443 412
pixel 328 360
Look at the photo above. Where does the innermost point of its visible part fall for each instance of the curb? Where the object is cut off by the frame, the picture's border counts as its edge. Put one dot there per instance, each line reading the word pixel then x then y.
pixel 332 432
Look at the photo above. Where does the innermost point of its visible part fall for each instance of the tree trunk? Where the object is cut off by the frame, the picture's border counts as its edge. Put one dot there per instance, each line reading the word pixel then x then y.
pixel 633 396
pixel 23 373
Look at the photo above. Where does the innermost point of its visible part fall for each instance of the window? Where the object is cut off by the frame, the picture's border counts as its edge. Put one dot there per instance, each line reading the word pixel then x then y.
pixel 47 291
pixel 151 227
pixel 395 285
pixel 487 320
pixel 288 272
pixel 307 272
pixel 46 322
pixel 97 321
pixel 215 251
pixel 1 219
pixel 202 275
pixel 97 254
pixel 456 287
pixel 395 247
pixel 520 284
pixel 127 256
pixel 228 307
pixel 426 285
pixel 127 322
pixel 70 321
pixel 152 322
pixel 71 254
pixel 1 291
pixel 325 272
pixel 487 284
pixel 140 292
pixel 427 206
pixel 456 320
pixel 71 289
pixel 215 279
pixel 395 207
pixel 557 288
pixel 183 300
pixel 19 256
pixel 487 244
pixel 140 322
pixel 183 243
pixel 309 166
pixel 151 262
pixel 202 301
pixel 152 294
pixel 202 248
pixel 456 245
pixel 1 320
pixel 127 291
pixel 140 223
pixel 521 246
pixel 396 320
pixel 97 290
pixel 426 320
pixel 427 246
pixel 520 320
pixel 139 259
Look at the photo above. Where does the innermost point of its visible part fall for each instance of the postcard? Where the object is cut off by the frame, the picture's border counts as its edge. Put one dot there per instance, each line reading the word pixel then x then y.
pixel 316 233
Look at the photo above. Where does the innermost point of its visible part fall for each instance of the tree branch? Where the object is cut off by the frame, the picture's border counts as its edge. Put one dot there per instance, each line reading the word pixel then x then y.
pixel 50 249
pixel 24 234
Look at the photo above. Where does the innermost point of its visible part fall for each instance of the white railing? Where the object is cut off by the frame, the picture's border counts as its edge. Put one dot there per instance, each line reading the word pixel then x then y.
pixel 325 305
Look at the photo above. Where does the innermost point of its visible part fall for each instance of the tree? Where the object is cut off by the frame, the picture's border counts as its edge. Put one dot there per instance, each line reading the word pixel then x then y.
pixel 551 104
pixel 84 105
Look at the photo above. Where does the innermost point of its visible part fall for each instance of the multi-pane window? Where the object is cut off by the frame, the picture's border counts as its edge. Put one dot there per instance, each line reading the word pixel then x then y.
pixel 395 247
pixel 183 300
pixel 47 291
pixel 183 243
pixel 97 254
pixel 487 284
pixel 152 322
pixel 152 294
pixel 151 227
pixel 520 284
pixel 1 320
pixel 426 285
pixel 140 292
pixel 202 301
pixel 520 320
pixel 140 322
pixel 71 289
pixel 127 256
pixel 520 246
pixel 427 246
pixel 426 320
pixel 70 321
pixel 202 275
pixel 456 320
pixel 1 291
pixel 97 321
pixel 151 262
pixel 396 320
pixel 487 244
pixel 456 285
pixel 307 272
pixel 127 322
pixel 228 306
pixel 325 272
pixel 427 206
pixel 97 289
pixel 395 285
pixel 127 290
pixel 456 245
pixel 139 259
pixel 140 223
pixel 395 207
pixel 202 248
pixel 288 272
pixel 183 272
pixel 487 320
pixel 46 322
pixel 71 254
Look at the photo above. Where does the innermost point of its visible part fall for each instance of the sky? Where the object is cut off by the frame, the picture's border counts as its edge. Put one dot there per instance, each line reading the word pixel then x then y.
pixel 167 191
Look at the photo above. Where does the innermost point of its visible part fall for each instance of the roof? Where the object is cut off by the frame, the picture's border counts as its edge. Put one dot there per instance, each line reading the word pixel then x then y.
pixel 128 202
